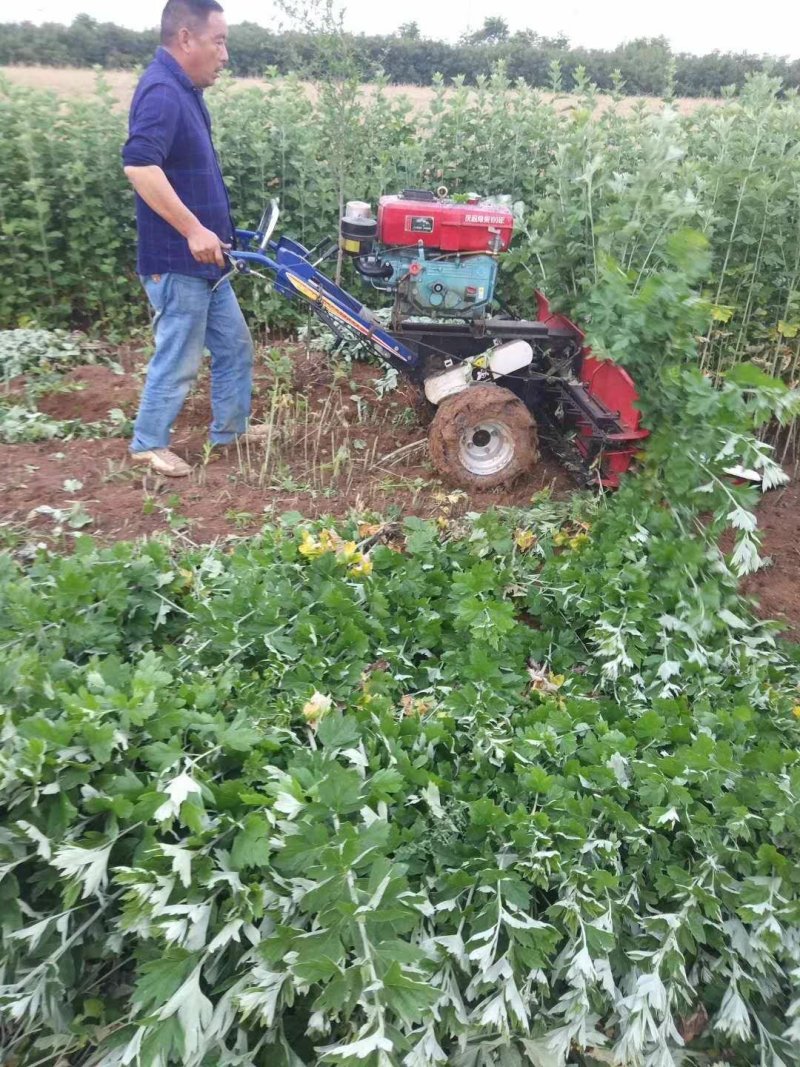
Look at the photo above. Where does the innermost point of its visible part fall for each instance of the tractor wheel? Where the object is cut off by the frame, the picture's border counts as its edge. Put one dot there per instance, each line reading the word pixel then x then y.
pixel 483 437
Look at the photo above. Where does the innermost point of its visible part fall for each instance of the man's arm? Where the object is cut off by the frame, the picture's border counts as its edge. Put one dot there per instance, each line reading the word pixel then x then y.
pixel 151 183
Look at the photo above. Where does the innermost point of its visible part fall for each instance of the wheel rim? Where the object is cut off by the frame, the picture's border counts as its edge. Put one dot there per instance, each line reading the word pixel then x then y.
pixel 486 448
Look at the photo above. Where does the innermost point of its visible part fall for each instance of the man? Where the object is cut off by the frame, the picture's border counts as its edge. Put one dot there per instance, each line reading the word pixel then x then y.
pixel 184 224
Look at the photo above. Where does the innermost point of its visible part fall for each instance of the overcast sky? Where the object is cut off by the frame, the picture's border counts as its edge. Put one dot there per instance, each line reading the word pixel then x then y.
pixel 770 26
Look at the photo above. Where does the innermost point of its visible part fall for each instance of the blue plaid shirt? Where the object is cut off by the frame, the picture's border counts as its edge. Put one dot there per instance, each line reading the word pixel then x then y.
pixel 170 127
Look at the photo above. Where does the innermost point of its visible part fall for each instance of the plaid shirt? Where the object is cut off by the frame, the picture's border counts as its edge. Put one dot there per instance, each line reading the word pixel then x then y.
pixel 170 127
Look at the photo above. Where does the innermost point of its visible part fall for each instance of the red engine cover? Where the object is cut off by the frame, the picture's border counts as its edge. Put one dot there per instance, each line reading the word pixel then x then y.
pixel 474 227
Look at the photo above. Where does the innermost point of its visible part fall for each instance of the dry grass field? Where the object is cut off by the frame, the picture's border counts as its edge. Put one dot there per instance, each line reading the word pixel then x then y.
pixel 74 81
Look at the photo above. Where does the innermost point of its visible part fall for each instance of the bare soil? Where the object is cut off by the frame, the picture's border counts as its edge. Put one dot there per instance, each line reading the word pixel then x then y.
pixel 92 392
pixel 70 81
pixel 337 447
pixel 777 586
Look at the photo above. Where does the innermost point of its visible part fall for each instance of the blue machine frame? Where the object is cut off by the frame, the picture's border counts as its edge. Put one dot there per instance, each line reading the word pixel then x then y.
pixel 296 276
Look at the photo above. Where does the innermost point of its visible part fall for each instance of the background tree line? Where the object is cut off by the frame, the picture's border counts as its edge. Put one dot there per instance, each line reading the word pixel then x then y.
pixel 644 66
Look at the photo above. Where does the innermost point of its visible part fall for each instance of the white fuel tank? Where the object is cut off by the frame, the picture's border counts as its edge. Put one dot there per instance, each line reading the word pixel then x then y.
pixel 513 355
pixel 452 381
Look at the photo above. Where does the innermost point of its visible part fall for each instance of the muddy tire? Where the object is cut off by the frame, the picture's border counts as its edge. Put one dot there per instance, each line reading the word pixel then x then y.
pixel 482 438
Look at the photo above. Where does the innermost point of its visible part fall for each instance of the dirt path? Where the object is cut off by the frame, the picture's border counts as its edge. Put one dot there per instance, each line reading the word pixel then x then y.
pixel 337 447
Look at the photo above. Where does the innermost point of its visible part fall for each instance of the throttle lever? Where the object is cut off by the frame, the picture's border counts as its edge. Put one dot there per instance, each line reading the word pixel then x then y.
pixel 238 266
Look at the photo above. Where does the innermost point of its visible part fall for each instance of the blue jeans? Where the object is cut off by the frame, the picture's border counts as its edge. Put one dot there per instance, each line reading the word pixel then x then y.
pixel 188 318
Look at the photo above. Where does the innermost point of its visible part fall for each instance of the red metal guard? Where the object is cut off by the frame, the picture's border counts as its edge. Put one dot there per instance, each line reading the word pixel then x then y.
pixel 612 387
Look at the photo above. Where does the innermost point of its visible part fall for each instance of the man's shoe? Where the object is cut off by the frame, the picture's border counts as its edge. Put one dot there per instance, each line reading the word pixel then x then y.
pixel 254 435
pixel 162 461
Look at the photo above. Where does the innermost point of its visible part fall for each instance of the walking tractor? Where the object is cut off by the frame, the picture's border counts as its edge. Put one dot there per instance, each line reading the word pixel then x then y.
pixel 499 383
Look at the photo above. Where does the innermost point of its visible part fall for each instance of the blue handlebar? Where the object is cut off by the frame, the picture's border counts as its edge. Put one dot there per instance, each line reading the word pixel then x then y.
pixel 295 276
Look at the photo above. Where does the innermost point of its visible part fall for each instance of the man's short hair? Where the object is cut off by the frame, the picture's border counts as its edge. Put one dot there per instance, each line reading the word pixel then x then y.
pixel 190 13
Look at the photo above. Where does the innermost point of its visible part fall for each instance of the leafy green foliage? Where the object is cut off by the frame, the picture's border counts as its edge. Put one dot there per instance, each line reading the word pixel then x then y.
pixel 35 362
pixel 67 219
pixel 651 328
pixel 41 351
pixel 588 190
pixel 267 807
pixel 523 789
